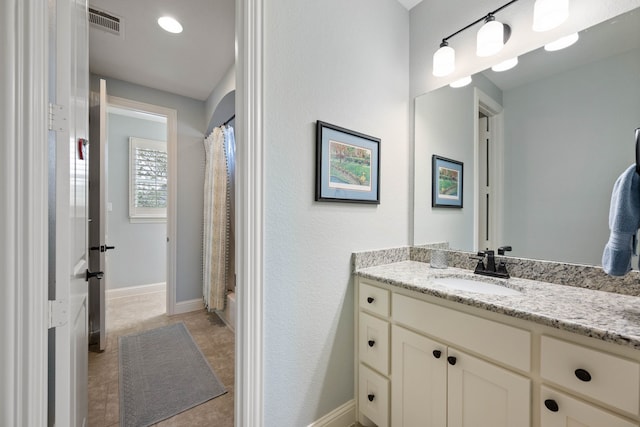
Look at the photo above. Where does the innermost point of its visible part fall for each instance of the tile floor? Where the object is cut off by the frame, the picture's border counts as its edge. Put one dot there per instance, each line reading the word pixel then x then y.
pixel 133 314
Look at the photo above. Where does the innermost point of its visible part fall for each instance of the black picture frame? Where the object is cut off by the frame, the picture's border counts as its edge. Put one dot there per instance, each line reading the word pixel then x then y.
pixel 347 165
pixel 447 188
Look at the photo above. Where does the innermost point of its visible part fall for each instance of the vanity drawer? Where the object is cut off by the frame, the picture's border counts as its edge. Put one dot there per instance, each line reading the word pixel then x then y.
pixel 374 299
pixel 373 399
pixel 560 410
pixel 374 342
pixel 605 377
pixel 494 340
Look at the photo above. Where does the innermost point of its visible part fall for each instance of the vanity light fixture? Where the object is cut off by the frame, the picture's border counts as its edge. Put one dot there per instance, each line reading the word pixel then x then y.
pixel 548 14
pixel 444 60
pixel 170 24
pixel 461 82
pixel 491 37
pixel 505 65
pixel 562 42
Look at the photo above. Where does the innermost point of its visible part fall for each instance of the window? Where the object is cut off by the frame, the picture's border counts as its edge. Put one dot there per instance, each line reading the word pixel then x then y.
pixel 147 180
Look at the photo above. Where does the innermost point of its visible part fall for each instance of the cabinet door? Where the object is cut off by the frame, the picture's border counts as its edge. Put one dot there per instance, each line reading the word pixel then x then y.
pixel 559 410
pixel 419 386
pixel 484 395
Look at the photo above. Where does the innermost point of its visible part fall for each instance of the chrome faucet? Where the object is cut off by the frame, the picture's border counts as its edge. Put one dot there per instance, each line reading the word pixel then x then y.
pixel 490 269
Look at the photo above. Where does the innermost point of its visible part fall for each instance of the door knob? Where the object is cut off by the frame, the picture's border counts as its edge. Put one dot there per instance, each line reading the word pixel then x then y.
pixel 98 275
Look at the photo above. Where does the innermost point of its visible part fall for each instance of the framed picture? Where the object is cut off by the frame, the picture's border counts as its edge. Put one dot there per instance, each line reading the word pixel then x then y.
pixel 446 190
pixel 347 165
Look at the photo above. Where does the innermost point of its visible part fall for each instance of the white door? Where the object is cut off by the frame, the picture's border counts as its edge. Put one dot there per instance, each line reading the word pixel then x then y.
pixel 484 395
pixel 419 386
pixel 485 226
pixel 98 217
pixel 71 230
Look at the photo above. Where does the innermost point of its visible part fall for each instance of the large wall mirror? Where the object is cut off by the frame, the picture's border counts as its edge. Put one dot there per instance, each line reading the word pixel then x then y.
pixel 560 127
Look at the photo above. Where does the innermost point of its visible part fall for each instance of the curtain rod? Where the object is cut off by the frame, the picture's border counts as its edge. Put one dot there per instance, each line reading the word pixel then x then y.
pixel 230 118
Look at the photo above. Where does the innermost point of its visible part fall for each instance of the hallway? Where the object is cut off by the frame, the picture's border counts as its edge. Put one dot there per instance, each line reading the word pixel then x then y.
pixel 138 313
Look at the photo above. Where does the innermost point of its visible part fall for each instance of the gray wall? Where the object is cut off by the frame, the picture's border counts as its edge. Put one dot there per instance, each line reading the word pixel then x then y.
pixel 568 137
pixel 191 127
pixel 346 63
pixel 444 125
pixel 140 255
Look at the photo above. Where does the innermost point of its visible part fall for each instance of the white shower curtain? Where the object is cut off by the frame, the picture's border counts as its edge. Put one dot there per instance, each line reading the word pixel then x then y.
pixel 218 214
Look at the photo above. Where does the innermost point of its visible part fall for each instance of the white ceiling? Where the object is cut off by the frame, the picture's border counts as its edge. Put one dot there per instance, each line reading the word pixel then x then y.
pixel 409 3
pixel 189 64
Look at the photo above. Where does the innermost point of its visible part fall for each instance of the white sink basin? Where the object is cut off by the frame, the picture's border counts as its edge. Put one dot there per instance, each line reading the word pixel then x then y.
pixel 476 286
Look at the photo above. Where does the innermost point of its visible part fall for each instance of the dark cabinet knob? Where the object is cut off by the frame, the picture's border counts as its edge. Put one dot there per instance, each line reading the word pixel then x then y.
pixel 371 397
pixel 583 375
pixel 437 354
pixel 551 405
pixel 371 343
pixel 370 300
pixel 452 360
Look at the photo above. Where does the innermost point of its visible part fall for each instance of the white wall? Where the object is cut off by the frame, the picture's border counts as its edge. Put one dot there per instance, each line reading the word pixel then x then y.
pixel 191 127
pixel 219 96
pixel 141 249
pixel 347 63
pixel 444 125
pixel 584 125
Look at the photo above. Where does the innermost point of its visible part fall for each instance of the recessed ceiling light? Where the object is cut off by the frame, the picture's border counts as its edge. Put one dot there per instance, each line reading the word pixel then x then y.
pixel 562 43
pixel 170 24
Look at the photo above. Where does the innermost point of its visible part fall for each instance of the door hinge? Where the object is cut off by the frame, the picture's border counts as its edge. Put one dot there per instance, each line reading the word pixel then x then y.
pixel 58 313
pixel 57 118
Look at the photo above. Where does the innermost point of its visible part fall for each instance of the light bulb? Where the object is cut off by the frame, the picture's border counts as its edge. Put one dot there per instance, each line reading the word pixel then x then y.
pixel 491 37
pixel 548 14
pixel 505 65
pixel 461 82
pixel 444 60
pixel 562 42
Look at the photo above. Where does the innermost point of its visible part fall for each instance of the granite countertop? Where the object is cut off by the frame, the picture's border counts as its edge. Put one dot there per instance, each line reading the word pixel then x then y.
pixel 602 315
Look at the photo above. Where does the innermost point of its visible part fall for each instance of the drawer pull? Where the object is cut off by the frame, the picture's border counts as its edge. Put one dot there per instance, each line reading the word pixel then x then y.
pixel 371 397
pixel 551 405
pixel 370 300
pixel 452 360
pixel 583 375
pixel 371 343
pixel 437 354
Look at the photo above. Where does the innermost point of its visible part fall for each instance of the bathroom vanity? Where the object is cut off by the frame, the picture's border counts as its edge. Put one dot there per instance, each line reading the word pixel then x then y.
pixel 440 355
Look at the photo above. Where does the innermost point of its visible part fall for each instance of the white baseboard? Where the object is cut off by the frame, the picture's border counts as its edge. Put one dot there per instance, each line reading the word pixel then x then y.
pixel 135 290
pixel 188 306
pixel 343 416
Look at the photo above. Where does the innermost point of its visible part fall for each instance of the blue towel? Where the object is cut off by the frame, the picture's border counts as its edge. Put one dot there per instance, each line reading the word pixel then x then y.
pixel 624 221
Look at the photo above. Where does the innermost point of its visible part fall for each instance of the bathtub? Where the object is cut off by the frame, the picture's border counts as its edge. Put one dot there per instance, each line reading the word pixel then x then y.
pixel 229 313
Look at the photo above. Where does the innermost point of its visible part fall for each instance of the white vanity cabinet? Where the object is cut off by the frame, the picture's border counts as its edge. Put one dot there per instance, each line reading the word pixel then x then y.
pixel 425 361
pixel 433 383
pixel 433 380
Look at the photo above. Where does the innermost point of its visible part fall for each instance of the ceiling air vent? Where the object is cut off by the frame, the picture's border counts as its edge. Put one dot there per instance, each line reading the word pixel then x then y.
pixel 106 21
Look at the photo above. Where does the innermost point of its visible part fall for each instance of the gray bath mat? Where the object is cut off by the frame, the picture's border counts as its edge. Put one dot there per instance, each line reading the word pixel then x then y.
pixel 162 373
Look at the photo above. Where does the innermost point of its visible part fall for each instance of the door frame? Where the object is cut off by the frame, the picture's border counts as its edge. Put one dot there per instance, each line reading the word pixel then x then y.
pixel 483 103
pixel 24 212
pixel 23 216
pixel 172 172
